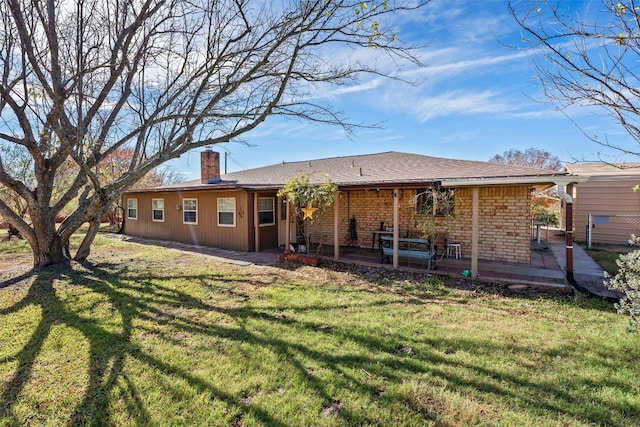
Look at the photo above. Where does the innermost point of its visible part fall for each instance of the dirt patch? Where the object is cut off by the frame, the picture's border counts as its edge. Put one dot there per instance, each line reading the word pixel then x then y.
pixel 384 277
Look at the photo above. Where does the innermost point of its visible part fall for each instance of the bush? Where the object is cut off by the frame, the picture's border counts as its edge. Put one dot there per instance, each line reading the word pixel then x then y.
pixel 546 216
pixel 627 280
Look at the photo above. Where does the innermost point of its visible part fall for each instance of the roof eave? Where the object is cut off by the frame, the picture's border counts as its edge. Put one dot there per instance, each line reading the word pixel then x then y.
pixel 185 188
pixel 514 180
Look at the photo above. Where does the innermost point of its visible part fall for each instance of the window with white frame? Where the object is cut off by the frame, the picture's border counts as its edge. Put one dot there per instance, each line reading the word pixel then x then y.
pixel 266 211
pixel 227 212
pixel 190 211
pixel 157 209
pixel 132 208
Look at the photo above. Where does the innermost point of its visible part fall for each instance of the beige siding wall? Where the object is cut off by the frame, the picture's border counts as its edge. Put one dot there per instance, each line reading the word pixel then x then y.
pixel 504 220
pixel 206 232
pixel 607 196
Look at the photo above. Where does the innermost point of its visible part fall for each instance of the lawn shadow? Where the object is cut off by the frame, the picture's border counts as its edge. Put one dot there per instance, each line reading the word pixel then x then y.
pixel 107 350
pixel 392 358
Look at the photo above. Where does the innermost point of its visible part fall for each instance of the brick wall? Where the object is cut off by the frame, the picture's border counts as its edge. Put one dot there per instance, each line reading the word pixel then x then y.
pixel 504 229
pixel 209 166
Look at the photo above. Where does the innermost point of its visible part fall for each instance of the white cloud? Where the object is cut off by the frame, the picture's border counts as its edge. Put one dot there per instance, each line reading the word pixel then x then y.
pixel 476 65
pixel 459 103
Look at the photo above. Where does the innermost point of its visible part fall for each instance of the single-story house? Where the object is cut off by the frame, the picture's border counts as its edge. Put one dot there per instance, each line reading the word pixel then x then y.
pixel 608 197
pixel 241 210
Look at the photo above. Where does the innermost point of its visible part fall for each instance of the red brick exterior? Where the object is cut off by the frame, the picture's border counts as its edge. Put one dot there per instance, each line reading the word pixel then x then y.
pixel 504 229
pixel 209 166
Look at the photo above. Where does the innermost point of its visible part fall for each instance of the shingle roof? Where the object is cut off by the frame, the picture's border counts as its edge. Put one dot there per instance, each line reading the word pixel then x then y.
pixel 604 169
pixel 389 168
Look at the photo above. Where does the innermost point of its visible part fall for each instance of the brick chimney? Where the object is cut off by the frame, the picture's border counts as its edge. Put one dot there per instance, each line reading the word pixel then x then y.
pixel 209 166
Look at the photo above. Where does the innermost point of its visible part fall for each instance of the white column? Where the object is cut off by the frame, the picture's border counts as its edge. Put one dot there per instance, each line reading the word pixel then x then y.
pixel 256 221
pixel 287 227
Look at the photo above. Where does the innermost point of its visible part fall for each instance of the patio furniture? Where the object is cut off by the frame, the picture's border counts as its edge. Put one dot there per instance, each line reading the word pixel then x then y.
pixel 419 249
pixel 455 248
pixel 379 233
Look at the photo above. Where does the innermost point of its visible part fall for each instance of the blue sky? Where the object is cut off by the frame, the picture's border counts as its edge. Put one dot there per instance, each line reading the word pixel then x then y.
pixel 478 97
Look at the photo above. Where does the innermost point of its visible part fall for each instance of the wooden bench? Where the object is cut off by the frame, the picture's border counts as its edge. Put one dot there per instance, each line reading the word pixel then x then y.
pixel 419 249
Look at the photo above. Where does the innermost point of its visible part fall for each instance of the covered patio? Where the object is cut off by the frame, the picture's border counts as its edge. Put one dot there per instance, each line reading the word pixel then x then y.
pixel 544 268
pixel 490 229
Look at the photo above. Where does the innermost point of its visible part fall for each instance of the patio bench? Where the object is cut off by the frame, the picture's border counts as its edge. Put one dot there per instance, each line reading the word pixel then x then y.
pixel 418 249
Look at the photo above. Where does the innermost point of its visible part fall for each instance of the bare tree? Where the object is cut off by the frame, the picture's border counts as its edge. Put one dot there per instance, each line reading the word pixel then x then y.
pixel 116 164
pixel 545 203
pixel 19 162
pixel 531 157
pixel 81 79
pixel 590 57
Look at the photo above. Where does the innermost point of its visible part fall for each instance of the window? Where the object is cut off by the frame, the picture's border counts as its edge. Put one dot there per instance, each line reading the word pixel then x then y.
pixel 227 212
pixel 132 208
pixel 157 209
pixel 190 211
pixel 266 211
pixel 435 201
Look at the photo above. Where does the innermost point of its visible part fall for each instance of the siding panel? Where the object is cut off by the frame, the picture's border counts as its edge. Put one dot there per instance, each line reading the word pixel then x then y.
pixel 206 232
pixel 607 196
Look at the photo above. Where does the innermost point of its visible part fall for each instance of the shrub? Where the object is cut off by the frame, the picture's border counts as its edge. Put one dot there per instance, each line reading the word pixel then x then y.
pixel 627 280
pixel 546 216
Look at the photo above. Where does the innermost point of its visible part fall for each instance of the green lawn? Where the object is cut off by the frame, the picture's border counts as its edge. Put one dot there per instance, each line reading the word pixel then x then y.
pixel 607 255
pixel 142 335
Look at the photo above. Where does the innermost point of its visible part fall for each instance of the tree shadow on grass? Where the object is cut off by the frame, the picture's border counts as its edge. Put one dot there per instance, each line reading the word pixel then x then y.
pixel 151 299
pixel 108 350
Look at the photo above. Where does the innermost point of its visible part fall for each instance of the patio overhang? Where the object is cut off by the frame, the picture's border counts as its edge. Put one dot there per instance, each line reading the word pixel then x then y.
pixel 543 180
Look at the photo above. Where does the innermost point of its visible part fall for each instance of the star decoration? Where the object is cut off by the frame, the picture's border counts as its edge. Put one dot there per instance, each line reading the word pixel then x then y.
pixel 308 212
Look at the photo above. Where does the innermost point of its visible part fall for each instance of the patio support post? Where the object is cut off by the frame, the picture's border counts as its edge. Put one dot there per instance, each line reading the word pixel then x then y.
pixel 568 199
pixel 256 221
pixel 474 232
pixel 569 240
pixel 396 228
pixel 336 228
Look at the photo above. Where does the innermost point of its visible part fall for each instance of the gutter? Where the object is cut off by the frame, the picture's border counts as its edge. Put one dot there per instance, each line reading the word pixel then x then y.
pixel 559 180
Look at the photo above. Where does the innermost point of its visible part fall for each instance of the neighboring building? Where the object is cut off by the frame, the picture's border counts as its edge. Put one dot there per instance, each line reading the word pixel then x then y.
pixel 241 211
pixel 609 197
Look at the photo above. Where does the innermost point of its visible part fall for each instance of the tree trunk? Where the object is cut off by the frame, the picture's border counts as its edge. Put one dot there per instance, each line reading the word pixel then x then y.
pixel 48 250
pixel 85 247
pixel 45 242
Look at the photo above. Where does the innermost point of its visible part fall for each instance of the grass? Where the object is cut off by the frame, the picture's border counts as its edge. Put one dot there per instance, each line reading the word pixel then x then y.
pixel 142 335
pixel 607 255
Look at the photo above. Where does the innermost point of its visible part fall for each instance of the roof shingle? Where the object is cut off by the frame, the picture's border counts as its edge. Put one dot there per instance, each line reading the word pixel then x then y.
pixel 375 169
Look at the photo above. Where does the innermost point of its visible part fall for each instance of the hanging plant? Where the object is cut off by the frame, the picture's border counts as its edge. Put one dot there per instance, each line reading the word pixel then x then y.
pixel 308 198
